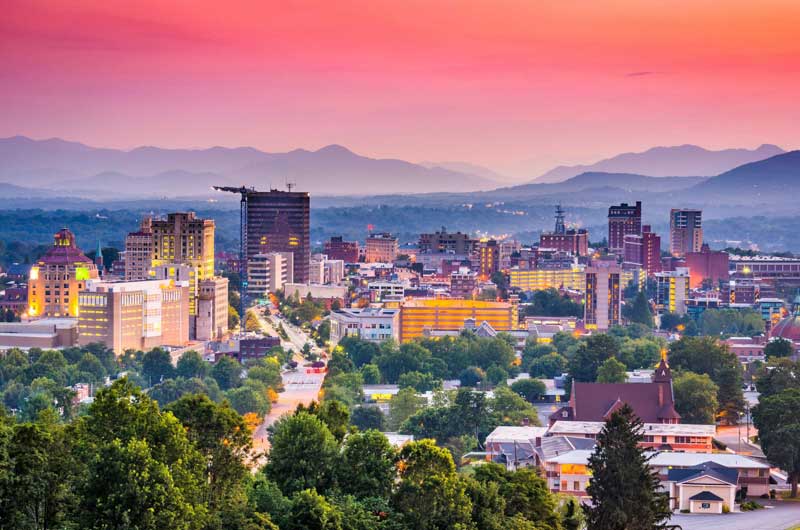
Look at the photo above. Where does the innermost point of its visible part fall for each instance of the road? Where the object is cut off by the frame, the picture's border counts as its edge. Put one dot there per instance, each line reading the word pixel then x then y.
pixel 782 516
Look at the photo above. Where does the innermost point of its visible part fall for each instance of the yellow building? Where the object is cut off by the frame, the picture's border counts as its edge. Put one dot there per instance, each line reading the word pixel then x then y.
pixel 57 278
pixel 537 280
pixel 450 314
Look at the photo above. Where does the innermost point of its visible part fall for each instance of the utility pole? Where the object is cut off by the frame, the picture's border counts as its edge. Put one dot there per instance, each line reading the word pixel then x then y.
pixel 244 191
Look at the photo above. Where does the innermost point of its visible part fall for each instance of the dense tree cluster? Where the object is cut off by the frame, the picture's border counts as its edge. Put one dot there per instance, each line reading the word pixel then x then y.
pixel 550 302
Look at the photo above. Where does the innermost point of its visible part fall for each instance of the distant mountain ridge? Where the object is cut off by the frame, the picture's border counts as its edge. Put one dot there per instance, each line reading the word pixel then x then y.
pixel 677 161
pixel 330 170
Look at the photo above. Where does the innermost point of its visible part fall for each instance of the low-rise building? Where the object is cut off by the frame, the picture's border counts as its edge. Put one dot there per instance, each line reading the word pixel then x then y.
pixel 45 333
pixel 451 314
pixel 572 278
pixel 658 436
pixel 369 323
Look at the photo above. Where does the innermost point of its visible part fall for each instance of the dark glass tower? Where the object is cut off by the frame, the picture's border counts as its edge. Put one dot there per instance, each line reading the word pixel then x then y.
pixel 279 221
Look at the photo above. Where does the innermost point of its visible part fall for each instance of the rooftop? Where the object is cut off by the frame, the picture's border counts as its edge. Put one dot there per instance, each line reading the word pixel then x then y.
pixel 507 434
pixel 655 429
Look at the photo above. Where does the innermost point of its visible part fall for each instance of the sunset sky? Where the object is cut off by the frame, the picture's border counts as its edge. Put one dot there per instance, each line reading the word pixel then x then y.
pixel 515 85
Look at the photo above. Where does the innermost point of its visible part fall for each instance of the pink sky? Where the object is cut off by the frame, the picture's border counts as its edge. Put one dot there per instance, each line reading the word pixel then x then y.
pixel 490 82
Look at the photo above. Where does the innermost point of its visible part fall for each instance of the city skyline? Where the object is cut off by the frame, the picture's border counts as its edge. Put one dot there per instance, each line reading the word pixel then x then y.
pixel 516 87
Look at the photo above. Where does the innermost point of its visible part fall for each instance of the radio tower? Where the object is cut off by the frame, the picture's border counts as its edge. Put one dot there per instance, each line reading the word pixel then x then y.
pixel 560 228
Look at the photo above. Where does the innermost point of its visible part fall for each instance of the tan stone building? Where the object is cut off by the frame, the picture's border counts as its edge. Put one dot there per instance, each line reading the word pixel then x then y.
pixel 381 248
pixel 134 315
pixel 212 309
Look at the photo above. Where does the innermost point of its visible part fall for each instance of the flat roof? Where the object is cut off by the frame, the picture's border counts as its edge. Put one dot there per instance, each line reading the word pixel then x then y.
pixel 578 456
pixel 731 460
pixel 506 433
pixel 594 427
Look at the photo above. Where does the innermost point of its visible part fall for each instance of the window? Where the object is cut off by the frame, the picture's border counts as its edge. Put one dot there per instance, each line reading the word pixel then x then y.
pixel 576 486
pixel 564 485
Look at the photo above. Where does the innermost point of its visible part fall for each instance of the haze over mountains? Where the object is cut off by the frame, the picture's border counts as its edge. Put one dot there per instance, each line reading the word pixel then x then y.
pixel 676 161
pixel 58 168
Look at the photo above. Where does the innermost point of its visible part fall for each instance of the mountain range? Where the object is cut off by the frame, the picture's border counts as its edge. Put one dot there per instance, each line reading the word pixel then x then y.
pixel 675 161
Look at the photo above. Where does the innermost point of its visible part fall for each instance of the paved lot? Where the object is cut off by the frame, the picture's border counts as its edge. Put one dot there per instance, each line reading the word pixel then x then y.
pixel 781 517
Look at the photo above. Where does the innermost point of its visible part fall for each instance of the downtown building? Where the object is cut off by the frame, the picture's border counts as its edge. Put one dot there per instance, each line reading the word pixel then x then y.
pixel 56 279
pixel 419 316
pixel 370 323
pixel 338 249
pixel 268 273
pixel 573 241
pixel 444 242
pixel 623 220
pixel 138 315
pixel 603 295
pixel 279 221
pixel 381 248
pixel 672 291
pixel 685 231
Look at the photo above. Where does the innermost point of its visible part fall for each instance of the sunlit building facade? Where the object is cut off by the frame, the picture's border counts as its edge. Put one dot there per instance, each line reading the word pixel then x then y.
pixel 450 315
pixel 572 278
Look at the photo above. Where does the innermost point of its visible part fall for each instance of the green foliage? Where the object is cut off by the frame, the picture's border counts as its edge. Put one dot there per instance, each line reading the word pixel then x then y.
pixel 625 491
pixel 640 311
pixel 418 381
pixel 731 322
pixel 246 399
pixel 471 376
pixel 782 374
pixel 227 372
pixel 496 375
pixel 191 365
pixel 525 493
pixel 361 352
pixel 695 397
pixel 778 426
pixel 778 348
pixel 371 374
pixel 705 355
pixel 590 355
pixel 549 302
pixel 157 366
pixel 611 371
pixel 402 406
pixel 368 417
pixel 366 466
pixel 548 366
pixel 302 454
pixel 530 389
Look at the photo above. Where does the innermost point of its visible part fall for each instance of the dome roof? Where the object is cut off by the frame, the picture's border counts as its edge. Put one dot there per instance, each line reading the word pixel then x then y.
pixel 788 328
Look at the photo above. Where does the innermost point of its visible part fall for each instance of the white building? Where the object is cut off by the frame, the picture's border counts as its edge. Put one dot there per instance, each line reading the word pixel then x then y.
pixel 268 273
pixel 369 323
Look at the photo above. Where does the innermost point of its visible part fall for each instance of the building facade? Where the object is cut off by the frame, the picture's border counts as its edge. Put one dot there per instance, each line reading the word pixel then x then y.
pixel 451 314
pixel 603 291
pixel 337 248
pixel 371 324
pixel 268 273
pixel 57 278
pixel 445 242
pixel 707 265
pixel 139 252
pixel 488 254
pixel 685 231
pixel 279 221
pixel 137 315
pixel 572 278
pixel 672 291
pixel 212 309
pixel 622 220
pixel 381 248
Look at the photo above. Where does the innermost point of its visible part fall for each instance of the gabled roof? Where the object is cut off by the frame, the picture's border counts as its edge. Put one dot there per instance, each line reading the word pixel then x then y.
pixel 652 402
pixel 707 469
pixel 705 496
pixel 553 446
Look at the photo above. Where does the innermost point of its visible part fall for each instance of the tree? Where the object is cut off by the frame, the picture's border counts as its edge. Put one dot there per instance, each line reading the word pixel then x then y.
pixel 779 432
pixel 496 375
pixel 471 376
pixel 227 373
pixel 336 417
pixel 371 374
pixel 368 418
pixel 783 374
pixel 302 454
pixel 640 312
pixel 525 493
pixel 705 355
pixel 418 381
pixel 626 492
pixel 191 365
pixel 550 302
pixel 531 389
pixel 233 316
pixel 778 347
pixel 511 408
pixel 360 351
pixel 590 355
pixel 246 399
pixel 366 467
pixel 548 366
pixel 157 366
pixel 311 511
pixel 695 397
pixel 395 362
pixel 89 364
pixel 611 371
pixel 403 405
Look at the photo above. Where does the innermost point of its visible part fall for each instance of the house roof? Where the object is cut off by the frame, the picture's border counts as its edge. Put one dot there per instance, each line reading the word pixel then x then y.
pixel 707 469
pixel 670 459
pixel 554 446
pixel 652 402
pixel 510 434
pixel 566 427
pixel 578 456
pixel 705 496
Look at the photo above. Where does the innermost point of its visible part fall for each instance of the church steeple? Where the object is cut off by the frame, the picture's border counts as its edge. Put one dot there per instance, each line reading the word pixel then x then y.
pixel 662 373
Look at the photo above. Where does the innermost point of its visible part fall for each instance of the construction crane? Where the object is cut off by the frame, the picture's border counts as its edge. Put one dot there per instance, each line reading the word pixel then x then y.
pixel 243 191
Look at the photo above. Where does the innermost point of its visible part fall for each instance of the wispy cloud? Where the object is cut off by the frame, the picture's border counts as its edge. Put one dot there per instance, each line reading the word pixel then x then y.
pixel 641 74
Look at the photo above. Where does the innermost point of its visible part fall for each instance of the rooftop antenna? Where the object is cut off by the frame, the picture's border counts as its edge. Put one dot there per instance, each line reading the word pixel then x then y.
pixel 290 185
pixel 560 228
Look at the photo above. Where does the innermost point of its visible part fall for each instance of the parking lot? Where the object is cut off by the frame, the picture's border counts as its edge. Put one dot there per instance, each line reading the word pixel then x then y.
pixel 781 516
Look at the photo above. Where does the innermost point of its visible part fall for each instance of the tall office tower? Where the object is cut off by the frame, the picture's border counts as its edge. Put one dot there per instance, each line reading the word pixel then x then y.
pixel 57 278
pixel 672 291
pixel 623 220
pixel 279 221
pixel 381 248
pixel 651 250
pixel 346 251
pixel 603 295
pixel 139 251
pixel 183 239
pixel 685 231
pixel 488 258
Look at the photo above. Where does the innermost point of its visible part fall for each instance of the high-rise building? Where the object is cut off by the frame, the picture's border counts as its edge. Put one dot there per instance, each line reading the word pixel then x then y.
pixel 57 278
pixel 446 242
pixel 381 248
pixel 651 250
pixel 451 314
pixel 139 252
pixel 346 251
pixel 707 265
pixel 633 250
pixel 573 241
pixel 685 231
pixel 488 254
pixel 279 221
pixel 622 220
pixel 137 315
pixel 212 309
pixel 267 273
pixel 672 291
pixel 603 295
